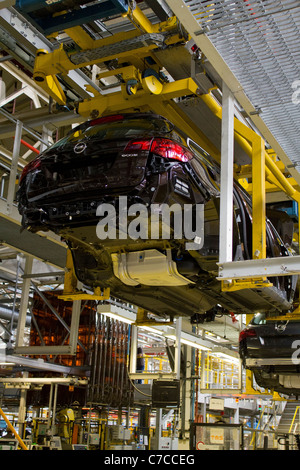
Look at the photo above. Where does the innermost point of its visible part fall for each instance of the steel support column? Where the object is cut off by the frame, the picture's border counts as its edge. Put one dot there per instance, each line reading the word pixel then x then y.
pixel 24 303
pixel 178 347
pixel 259 250
pixel 76 310
pixel 226 186
pixel 54 409
pixel 133 350
pixel 22 409
pixel 69 349
pixel 50 407
pixel 186 395
pixel 14 167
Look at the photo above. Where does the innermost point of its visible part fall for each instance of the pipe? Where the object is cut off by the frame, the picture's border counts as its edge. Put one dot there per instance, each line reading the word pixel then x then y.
pixel 30 146
pixel 12 429
pixel 6 314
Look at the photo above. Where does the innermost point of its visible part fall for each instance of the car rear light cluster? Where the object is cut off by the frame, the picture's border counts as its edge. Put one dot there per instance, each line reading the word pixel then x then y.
pixel 169 149
pixel 138 145
pixel 30 167
pixel 165 148
pixel 247 333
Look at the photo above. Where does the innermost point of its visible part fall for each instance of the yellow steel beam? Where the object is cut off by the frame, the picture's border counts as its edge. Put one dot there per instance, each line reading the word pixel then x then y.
pixel 143 320
pixel 59 61
pixel 80 37
pixel 48 65
pixel 47 82
pixel 270 187
pixel 245 171
pixel 258 199
pixel 160 103
pixel 115 102
pixel 137 17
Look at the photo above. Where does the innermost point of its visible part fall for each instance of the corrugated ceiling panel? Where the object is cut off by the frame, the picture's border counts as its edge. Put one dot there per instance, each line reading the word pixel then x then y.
pixel 260 42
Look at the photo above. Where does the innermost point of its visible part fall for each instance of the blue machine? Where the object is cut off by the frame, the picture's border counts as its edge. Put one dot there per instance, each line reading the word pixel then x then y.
pixel 75 12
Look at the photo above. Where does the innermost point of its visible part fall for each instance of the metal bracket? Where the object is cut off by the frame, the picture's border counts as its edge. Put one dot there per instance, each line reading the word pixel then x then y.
pixel 239 284
pixel 81 295
pixel 143 320
pixel 71 292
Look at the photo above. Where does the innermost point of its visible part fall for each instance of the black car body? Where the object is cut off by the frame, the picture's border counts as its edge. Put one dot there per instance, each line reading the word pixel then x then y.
pixel 271 349
pixel 145 158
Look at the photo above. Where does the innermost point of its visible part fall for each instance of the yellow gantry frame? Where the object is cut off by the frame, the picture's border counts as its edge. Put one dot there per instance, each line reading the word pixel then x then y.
pixel 152 94
pixel 263 167
pixel 48 65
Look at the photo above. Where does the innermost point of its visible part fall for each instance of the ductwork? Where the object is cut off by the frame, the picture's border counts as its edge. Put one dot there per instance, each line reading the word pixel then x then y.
pixel 6 314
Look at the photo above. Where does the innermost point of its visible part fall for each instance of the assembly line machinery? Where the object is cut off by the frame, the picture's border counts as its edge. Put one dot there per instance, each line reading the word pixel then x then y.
pixel 97 58
pixel 135 59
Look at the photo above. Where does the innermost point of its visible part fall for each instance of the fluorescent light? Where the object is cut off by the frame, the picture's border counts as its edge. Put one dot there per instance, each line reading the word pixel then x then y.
pixel 117 313
pixel 226 357
pixel 152 330
pixel 194 345
pixel 189 343
pixel 117 317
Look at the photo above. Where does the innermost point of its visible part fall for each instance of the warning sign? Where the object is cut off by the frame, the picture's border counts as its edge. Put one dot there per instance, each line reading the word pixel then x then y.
pixel 217 436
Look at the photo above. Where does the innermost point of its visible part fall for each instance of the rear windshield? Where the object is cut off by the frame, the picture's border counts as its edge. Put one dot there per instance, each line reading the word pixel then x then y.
pixel 118 129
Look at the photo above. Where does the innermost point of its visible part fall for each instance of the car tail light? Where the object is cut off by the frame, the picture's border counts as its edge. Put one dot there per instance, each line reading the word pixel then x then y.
pixel 247 333
pixel 106 119
pixel 165 148
pixel 169 149
pixel 31 166
pixel 142 144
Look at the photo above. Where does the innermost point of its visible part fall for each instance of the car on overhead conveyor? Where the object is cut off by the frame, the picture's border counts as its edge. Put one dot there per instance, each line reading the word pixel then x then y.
pixel 104 187
pixel 269 346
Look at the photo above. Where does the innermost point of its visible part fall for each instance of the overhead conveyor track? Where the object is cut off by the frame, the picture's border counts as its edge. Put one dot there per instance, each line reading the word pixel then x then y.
pixel 142 84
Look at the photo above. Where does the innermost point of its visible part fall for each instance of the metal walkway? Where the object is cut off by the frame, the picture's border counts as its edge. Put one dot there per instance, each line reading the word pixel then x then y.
pixel 287 417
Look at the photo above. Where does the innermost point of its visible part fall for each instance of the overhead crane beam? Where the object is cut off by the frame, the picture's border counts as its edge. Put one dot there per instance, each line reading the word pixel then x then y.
pixel 139 42
pixel 145 99
pixel 149 92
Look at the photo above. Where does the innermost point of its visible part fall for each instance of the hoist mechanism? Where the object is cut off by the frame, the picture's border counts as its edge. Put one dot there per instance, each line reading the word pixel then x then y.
pixel 138 43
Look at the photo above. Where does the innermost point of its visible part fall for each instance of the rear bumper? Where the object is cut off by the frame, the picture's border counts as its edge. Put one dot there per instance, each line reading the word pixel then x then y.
pixel 74 209
pixel 269 361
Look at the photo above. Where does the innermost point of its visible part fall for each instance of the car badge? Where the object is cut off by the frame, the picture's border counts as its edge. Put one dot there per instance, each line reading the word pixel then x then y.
pixel 80 147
